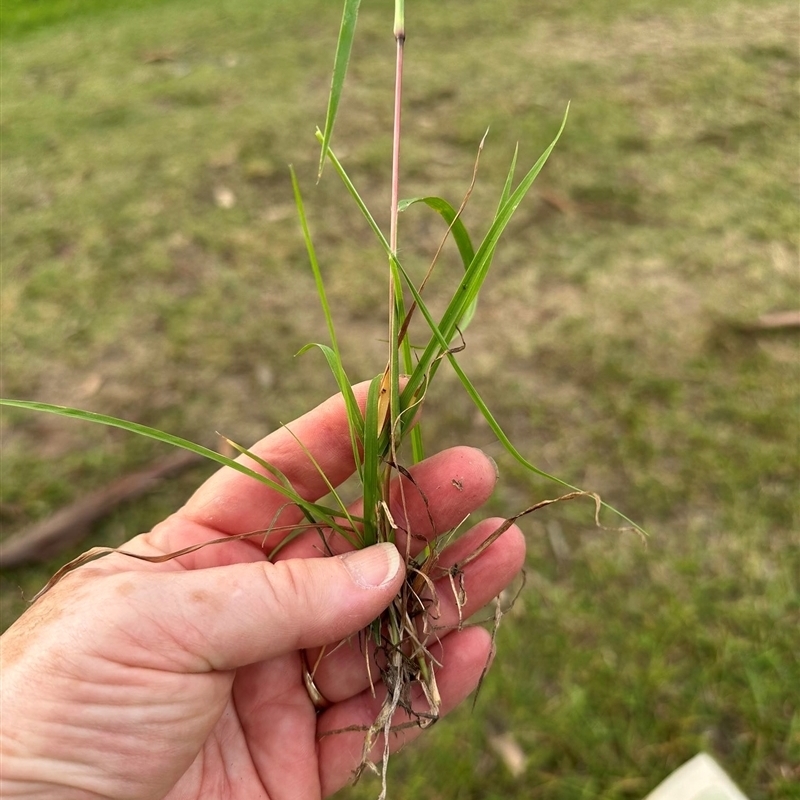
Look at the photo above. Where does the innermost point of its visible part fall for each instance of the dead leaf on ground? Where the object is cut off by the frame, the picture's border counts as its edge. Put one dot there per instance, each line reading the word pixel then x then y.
pixel 509 752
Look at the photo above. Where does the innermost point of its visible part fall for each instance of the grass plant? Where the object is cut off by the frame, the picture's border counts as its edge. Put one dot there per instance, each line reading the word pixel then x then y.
pixel 403 632
pixel 600 341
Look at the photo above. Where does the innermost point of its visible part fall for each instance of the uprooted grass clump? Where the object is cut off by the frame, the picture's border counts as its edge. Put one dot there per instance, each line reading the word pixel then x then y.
pixel 385 437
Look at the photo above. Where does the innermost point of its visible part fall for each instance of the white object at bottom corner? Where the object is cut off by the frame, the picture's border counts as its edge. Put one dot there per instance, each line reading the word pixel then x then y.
pixel 701 778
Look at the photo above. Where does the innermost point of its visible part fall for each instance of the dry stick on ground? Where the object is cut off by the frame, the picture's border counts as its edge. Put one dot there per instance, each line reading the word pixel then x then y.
pixel 773 322
pixel 69 525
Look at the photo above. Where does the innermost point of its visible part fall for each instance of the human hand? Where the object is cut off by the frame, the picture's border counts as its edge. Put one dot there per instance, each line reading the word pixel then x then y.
pixel 184 679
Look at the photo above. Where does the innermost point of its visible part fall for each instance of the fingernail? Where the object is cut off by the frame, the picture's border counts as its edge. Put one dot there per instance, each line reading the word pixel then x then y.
pixel 374 566
pixel 494 464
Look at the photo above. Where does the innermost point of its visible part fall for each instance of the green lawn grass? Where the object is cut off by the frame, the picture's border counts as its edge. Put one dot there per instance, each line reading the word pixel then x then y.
pixel 603 339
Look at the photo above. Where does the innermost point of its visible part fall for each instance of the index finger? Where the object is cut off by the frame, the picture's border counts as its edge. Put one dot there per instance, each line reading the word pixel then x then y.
pixel 230 502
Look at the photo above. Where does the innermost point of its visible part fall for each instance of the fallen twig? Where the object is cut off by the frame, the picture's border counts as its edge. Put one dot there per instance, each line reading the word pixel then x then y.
pixel 69 525
pixel 774 321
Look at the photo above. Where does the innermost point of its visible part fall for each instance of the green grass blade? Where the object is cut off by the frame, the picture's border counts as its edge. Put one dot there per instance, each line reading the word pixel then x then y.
pixel 332 354
pixel 449 214
pixel 344 46
pixel 370 484
pixel 417 444
pixel 350 534
pixel 460 237
pixel 478 269
pixel 362 206
pixel 312 257
pixel 470 286
pixel 260 461
pixel 153 433
pixel 506 193
pixel 473 393
pixel 512 451
pixel 484 409
pixel 315 514
pixel 354 419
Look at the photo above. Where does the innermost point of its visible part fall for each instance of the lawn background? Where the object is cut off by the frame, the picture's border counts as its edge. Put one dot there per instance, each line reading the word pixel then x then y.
pixel 152 268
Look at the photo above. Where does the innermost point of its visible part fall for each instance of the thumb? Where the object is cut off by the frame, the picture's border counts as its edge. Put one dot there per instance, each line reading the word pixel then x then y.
pixel 227 617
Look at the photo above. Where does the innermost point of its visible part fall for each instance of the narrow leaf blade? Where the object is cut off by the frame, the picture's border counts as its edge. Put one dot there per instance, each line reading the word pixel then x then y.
pixel 344 47
pixel 151 433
